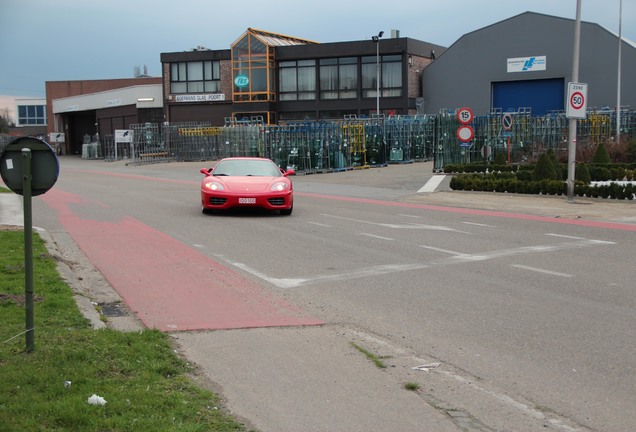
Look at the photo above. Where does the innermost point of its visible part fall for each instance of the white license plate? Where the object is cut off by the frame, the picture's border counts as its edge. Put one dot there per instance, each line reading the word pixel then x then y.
pixel 247 200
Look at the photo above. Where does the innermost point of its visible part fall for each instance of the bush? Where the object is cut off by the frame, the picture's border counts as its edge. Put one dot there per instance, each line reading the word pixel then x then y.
pixel 544 170
pixel 500 158
pixel 555 163
pixel 601 155
pixel 582 174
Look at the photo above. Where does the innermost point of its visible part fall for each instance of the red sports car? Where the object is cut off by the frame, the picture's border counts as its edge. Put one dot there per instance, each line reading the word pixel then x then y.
pixel 247 182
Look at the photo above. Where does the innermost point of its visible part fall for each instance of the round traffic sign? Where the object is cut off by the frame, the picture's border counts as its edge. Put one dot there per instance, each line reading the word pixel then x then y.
pixel 506 121
pixel 465 115
pixel 577 100
pixel 465 133
pixel 44 165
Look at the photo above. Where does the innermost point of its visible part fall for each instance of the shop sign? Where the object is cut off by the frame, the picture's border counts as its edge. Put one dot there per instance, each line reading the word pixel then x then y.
pixel 200 97
pixel 527 64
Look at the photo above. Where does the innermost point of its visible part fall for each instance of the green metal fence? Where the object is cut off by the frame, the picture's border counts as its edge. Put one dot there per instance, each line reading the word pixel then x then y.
pixel 351 142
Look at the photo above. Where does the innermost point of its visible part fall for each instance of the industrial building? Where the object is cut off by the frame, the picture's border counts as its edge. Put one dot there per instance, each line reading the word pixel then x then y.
pixel 526 62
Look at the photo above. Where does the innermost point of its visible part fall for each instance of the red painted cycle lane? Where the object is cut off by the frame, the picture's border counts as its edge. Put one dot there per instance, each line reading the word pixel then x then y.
pixel 168 285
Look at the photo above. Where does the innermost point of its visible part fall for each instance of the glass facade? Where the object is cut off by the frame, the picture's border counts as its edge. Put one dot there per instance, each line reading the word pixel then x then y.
pixel 252 70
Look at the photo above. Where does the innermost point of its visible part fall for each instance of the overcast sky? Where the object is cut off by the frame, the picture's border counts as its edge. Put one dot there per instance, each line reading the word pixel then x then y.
pixel 54 40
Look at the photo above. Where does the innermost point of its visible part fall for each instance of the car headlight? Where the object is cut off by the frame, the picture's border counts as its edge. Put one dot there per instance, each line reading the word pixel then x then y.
pixel 215 186
pixel 280 186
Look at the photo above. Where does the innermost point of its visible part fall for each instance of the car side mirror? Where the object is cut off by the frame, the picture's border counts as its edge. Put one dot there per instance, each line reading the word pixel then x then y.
pixel 205 171
pixel 289 172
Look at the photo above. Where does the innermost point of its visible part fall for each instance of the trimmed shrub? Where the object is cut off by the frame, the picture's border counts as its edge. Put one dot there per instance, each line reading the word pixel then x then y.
pixel 500 158
pixel 582 174
pixel 555 163
pixel 544 170
pixel 601 155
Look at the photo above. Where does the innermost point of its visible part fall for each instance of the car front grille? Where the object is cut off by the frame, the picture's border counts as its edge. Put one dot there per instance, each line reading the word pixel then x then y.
pixel 277 201
pixel 217 201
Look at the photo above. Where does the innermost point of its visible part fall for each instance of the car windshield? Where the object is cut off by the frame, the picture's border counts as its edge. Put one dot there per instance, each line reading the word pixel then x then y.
pixel 239 167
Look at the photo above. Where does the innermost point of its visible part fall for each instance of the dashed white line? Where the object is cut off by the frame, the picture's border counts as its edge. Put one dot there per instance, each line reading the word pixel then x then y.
pixel 376 236
pixel 538 270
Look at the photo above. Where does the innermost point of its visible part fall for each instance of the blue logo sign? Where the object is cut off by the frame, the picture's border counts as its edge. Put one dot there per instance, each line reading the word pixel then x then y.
pixel 241 81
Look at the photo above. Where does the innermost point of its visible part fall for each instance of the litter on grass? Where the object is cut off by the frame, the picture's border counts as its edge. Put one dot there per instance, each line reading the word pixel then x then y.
pixel 96 400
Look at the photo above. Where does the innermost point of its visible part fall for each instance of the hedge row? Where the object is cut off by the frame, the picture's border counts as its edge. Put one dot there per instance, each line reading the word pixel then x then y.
pixel 598 172
pixel 510 184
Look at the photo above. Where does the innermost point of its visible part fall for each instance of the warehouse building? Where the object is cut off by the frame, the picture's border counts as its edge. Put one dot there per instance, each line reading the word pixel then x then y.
pixel 526 62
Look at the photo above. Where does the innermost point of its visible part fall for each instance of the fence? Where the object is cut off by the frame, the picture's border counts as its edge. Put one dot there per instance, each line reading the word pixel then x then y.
pixel 349 143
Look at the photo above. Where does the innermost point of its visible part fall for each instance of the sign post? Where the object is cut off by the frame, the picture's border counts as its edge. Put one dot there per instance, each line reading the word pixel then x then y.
pixel 29 167
pixel 506 122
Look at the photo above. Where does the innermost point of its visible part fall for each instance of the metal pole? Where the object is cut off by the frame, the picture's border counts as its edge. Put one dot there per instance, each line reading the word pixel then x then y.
pixel 28 248
pixel 377 77
pixel 575 78
pixel 618 80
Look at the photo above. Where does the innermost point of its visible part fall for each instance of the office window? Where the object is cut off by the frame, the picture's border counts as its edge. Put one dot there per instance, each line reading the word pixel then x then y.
pixel 31 115
pixel 195 77
pixel 390 76
pixel 297 80
pixel 339 78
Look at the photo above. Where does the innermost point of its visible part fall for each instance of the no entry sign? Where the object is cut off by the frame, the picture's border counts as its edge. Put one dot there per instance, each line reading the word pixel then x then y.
pixel 576 103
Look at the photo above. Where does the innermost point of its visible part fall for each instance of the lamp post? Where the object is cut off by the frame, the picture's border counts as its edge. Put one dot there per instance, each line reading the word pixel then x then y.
pixel 376 39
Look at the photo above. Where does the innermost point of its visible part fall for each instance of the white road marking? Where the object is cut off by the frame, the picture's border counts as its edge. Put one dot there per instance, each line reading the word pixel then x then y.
pixel 479 224
pixel 549 272
pixel 397 226
pixel 376 236
pixel 432 184
pixel 320 224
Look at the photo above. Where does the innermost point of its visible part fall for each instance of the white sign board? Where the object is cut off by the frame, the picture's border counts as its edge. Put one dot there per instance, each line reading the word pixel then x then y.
pixel 56 137
pixel 576 102
pixel 200 97
pixel 123 135
pixel 527 64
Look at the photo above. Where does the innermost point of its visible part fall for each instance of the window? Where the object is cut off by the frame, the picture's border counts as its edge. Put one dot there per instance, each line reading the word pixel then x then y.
pixel 252 70
pixel 195 77
pixel 297 80
pixel 339 78
pixel 390 76
pixel 31 115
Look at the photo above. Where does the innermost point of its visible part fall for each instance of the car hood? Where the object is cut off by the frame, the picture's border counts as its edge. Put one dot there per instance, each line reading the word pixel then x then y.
pixel 253 184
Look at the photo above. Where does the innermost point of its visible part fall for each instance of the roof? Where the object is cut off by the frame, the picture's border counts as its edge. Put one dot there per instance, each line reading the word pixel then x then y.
pixel 275 39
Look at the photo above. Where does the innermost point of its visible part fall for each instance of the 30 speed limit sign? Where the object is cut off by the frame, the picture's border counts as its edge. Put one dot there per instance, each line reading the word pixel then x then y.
pixel 576 102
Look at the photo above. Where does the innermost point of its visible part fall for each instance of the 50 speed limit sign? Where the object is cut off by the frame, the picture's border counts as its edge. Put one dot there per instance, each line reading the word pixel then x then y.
pixel 576 102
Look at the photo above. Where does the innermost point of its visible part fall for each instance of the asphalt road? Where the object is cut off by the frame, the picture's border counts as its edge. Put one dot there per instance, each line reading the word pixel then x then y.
pixel 524 314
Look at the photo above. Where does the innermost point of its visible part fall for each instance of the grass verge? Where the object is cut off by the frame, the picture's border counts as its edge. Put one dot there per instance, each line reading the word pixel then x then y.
pixel 145 384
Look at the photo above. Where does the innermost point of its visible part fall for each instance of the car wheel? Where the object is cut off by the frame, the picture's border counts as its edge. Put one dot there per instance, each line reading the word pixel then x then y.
pixel 288 211
pixel 206 210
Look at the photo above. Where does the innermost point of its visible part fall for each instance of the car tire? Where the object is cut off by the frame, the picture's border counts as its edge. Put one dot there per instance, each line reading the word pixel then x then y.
pixel 206 210
pixel 288 211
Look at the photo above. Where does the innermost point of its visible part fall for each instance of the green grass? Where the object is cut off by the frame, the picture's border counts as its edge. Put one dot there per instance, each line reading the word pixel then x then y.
pixel 144 382
pixel 375 359
pixel 412 386
pixel 4 190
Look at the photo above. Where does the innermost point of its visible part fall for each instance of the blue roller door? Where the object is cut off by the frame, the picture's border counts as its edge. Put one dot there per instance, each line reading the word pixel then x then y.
pixel 541 95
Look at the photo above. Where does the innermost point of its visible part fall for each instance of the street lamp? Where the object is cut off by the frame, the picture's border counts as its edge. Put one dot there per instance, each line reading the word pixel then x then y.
pixel 376 39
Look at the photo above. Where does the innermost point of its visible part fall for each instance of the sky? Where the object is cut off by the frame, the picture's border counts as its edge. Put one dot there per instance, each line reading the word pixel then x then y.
pixel 59 40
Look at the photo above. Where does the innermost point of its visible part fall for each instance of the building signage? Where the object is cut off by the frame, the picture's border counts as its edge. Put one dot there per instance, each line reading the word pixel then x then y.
pixel 123 135
pixel 527 64
pixel 200 97
pixel 241 81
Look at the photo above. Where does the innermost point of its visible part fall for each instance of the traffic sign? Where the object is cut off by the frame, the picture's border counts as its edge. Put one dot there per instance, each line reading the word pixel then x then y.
pixel 576 103
pixel 506 121
pixel 44 166
pixel 465 133
pixel 465 115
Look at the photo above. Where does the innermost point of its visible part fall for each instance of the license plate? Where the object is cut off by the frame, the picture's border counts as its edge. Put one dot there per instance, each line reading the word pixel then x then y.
pixel 247 200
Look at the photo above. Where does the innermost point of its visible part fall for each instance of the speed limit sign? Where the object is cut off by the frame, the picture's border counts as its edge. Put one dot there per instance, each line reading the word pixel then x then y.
pixel 465 115
pixel 576 102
